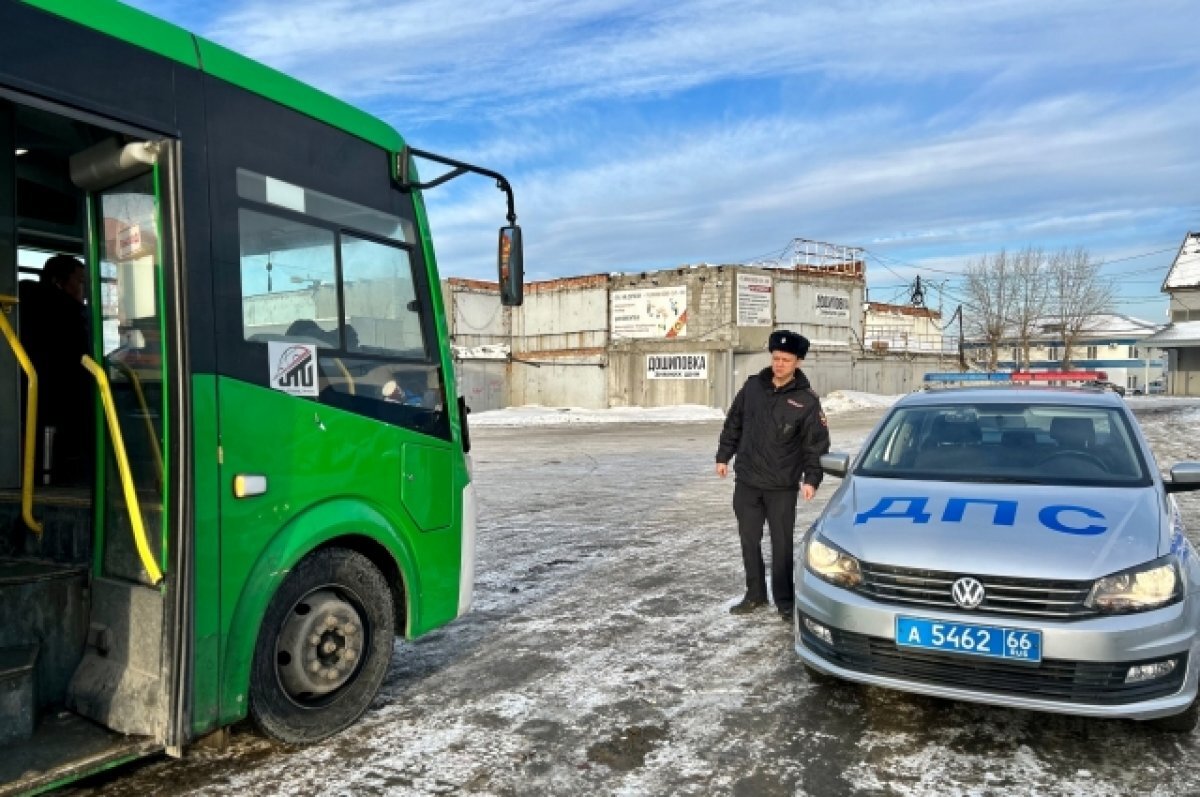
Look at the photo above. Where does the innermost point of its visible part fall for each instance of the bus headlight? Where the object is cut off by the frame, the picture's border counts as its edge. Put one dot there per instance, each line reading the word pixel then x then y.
pixel 1139 589
pixel 831 564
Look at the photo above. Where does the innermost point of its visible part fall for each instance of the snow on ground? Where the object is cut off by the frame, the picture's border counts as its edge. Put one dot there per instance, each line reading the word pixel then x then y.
pixel 836 402
pixel 849 400
pixel 533 415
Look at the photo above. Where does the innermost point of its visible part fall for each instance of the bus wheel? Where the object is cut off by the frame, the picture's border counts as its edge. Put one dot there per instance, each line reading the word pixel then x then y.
pixel 323 649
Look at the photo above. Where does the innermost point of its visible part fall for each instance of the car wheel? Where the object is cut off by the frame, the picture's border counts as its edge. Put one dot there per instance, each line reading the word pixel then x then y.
pixel 323 649
pixel 1184 722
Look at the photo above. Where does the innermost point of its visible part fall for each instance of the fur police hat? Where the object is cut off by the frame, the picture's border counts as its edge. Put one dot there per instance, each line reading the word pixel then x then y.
pixel 786 340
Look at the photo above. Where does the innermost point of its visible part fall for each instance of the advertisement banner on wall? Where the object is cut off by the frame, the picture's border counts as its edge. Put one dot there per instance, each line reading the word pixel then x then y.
pixel 833 305
pixel 650 313
pixel 754 293
pixel 677 366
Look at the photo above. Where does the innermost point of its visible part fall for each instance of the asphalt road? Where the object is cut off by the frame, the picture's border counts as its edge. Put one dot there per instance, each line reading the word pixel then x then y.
pixel 600 658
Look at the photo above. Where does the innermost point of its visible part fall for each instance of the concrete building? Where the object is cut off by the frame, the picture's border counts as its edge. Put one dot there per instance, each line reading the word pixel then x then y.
pixel 688 335
pixel 1180 339
pixel 1111 342
pixel 898 327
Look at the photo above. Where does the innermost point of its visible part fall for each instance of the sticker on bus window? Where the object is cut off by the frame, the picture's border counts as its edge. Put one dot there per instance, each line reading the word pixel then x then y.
pixel 293 367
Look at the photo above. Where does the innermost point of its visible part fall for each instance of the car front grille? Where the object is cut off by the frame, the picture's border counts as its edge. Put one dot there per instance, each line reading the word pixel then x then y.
pixel 1099 683
pixel 1019 597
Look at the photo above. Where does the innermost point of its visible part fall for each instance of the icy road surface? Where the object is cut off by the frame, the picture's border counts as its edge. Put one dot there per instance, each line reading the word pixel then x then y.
pixel 600 659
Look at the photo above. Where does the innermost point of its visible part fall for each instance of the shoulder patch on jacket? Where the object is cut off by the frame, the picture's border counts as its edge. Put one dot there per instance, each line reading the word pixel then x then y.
pixel 824 420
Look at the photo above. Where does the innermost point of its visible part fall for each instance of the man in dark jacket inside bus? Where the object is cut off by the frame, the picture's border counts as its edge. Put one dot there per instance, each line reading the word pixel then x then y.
pixel 778 433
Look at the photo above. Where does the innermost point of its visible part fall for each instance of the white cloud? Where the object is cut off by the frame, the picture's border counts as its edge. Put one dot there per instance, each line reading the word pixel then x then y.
pixel 1078 165
pixel 932 131
pixel 462 54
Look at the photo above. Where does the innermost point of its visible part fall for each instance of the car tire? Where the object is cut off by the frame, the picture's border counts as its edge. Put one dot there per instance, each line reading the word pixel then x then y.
pixel 334 614
pixel 1184 722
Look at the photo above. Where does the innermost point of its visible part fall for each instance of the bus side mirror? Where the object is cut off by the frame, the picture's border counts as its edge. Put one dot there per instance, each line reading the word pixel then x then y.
pixel 511 265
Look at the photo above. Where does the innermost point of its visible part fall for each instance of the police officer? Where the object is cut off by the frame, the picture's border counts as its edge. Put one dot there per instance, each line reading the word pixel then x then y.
pixel 778 432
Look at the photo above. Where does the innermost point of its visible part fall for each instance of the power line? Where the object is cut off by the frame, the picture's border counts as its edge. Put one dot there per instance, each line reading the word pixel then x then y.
pixel 959 273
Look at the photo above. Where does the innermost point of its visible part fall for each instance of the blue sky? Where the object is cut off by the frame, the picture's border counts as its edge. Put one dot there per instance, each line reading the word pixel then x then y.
pixel 642 135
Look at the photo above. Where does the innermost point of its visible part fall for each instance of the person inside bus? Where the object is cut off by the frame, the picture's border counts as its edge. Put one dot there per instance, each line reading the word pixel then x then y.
pixel 54 333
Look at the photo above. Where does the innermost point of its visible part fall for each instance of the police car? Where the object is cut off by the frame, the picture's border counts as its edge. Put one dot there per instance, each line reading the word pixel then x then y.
pixel 1016 547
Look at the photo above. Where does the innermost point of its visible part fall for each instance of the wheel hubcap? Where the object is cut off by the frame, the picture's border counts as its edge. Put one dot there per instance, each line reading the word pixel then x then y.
pixel 320 646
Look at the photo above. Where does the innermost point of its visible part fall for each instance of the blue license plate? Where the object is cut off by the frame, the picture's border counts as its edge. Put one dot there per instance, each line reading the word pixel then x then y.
pixel 1016 644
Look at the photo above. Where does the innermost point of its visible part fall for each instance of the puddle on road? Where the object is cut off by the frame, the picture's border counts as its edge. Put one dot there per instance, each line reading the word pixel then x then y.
pixel 627 749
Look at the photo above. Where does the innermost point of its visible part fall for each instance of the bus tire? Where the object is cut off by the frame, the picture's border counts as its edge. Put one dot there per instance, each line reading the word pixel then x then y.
pixel 323 649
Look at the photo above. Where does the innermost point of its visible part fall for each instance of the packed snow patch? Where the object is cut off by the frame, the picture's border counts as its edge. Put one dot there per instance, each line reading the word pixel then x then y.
pixel 849 400
pixel 547 416
pixel 534 415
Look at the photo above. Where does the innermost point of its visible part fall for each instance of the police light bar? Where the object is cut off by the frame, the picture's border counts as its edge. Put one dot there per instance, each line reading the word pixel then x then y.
pixel 969 376
pixel 1017 376
pixel 1060 376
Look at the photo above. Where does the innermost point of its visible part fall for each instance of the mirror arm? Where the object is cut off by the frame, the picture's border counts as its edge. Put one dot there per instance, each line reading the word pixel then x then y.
pixel 460 168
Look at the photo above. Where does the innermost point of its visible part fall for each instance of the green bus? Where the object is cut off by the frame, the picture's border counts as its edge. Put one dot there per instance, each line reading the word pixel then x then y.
pixel 251 473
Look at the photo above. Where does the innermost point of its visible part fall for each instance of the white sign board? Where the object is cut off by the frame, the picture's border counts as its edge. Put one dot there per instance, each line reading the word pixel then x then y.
pixel 754 293
pixel 833 305
pixel 293 367
pixel 649 313
pixel 677 366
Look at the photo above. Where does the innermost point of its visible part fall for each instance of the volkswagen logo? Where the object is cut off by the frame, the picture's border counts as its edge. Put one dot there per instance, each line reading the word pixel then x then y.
pixel 967 592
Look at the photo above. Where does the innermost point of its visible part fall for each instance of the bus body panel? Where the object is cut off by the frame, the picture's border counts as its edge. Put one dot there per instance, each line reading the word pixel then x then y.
pixel 206 559
pixel 128 24
pixel 318 490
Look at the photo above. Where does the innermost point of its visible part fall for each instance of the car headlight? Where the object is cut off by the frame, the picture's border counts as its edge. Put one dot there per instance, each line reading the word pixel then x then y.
pixel 831 564
pixel 1139 589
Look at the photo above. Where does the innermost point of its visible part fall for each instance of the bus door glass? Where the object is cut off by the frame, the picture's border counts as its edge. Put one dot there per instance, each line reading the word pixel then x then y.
pixel 130 343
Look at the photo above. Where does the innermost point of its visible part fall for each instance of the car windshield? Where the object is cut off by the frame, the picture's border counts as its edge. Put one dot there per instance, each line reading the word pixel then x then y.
pixel 1019 443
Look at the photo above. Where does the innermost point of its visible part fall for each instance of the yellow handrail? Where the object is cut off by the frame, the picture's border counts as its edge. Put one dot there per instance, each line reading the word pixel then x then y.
pixel 346 373
pixel 131 501
pixel 6 304
pixel 136 381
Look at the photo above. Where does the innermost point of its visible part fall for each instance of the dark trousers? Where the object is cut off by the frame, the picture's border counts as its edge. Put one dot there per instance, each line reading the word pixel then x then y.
pixel 777 508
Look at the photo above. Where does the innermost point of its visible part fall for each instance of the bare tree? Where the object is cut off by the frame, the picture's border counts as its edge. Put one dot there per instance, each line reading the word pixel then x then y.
pixel 1077 294
pixel 990 290
pixel 1030 299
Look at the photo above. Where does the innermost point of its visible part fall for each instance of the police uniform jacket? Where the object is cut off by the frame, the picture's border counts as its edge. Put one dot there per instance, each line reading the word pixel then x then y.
pixel 778 434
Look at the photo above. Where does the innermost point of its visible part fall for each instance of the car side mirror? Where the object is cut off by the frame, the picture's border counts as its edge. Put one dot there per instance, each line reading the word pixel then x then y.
pixel 1185 477
pixel 836 464
pixel 511 266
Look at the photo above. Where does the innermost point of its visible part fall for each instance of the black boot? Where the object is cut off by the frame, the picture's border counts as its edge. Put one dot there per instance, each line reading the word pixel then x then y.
pixel 747 605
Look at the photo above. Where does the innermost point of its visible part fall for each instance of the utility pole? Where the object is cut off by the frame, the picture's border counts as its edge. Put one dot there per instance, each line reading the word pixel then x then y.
pixel 962 355
pixel 918 294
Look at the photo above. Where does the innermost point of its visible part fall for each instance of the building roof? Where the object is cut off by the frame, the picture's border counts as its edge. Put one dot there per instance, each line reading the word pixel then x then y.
pixel 902 309
pixel 1184 334
pixel 1100 325
pixel 1185 271
pixel 1118 324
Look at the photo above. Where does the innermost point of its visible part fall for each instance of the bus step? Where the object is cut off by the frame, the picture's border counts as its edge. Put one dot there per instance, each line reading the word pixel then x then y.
pixel 18 701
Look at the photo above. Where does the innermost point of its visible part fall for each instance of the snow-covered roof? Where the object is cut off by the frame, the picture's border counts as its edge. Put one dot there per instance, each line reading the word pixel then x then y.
pixel 1181 334
pixel 1118 324
pixel 1099 325
pixel 1185 271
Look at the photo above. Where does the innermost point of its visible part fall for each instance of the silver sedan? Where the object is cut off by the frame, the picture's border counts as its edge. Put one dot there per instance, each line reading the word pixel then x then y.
pixel 1016 547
